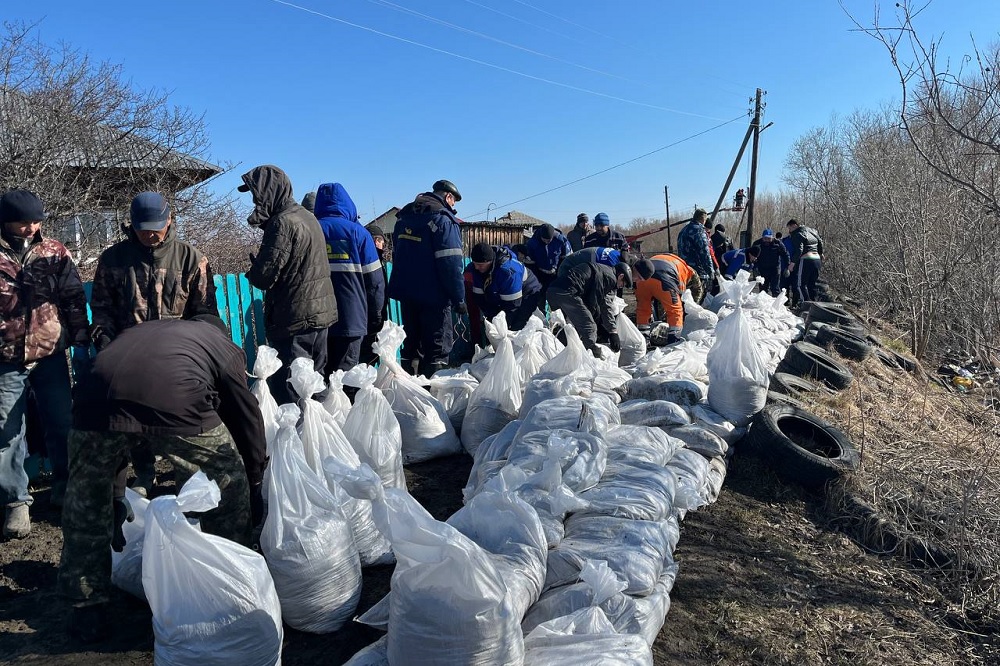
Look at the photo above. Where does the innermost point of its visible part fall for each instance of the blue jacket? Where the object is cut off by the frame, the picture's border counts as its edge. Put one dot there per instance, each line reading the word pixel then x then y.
pixel 735 260
pixel 787 242
pixel 545 259
pixel 355 268
pixel 427 254
pixel 605 256
pixel 503 288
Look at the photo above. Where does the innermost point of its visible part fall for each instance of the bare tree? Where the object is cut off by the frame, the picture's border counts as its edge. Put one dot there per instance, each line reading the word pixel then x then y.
pixel 86 140
pixel 950 111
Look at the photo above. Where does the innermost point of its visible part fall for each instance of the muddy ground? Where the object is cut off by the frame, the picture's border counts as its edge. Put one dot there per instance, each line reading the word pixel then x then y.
pixel 764 579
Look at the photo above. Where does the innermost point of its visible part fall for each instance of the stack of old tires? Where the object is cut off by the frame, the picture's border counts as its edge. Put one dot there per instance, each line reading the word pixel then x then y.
pixel 799 445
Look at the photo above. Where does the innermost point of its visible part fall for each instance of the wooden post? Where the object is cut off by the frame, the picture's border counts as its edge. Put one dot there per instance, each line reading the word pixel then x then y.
pixel 666 202
pixel 753 166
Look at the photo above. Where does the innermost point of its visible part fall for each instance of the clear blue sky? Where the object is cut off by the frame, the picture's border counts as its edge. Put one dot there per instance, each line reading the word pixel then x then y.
pixel 330 102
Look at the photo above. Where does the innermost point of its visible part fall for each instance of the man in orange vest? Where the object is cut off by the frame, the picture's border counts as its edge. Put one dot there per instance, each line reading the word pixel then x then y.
pixel 664 277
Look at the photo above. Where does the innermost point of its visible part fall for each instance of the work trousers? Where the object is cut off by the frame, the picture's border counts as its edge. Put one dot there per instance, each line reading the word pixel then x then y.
pixel 308 344
pixel 95 458
pixel 429 334
pixel 576 312
pixel 342 353
pixel 805 281
pixel 49 381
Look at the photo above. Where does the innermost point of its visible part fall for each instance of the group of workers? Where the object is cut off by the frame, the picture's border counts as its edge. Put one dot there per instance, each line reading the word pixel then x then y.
pixel 156 373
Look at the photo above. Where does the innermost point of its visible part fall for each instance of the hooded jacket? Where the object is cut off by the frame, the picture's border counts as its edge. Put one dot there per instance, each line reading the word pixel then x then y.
pixel 355 267
pixel 43 308
pixel 134 283
pixel 427 254
pixel 291 266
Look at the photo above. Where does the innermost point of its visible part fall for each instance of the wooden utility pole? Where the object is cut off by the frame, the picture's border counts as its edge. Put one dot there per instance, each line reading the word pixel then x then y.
pixel 758 108
pixel 666 202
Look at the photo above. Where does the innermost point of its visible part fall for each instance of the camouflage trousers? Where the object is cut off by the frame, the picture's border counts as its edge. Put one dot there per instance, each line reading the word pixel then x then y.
pixel 94 457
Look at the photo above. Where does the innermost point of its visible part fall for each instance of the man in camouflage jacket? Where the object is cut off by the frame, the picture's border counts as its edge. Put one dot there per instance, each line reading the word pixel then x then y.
pixel 148 276
pixel 43 311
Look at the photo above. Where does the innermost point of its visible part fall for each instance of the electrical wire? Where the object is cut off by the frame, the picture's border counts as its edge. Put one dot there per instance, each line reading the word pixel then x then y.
pixel 616 166
pixel 491 38
pixel 528 23
pixel 491 65
pixel 573 23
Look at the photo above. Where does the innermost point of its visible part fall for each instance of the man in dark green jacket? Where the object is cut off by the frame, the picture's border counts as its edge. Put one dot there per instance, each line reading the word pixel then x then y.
pixel 291 267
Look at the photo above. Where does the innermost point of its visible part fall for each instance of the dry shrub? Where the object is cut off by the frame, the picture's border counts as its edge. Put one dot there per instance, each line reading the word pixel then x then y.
pixel 931 472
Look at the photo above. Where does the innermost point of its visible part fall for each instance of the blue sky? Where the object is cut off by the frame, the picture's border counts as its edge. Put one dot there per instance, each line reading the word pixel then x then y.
pixel 286 84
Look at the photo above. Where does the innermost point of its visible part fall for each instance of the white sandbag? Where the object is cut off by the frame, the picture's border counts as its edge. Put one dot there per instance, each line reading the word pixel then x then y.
pixel 583 456
pixel 737 370
pixel 651 610
pixel 628 443
pixel 684 392
pixel 372 428
pixel 322 438
pixel 453 387
pixel 711 420
pixel 267 364
pixel 654 413
pixel 632 339
pixel 534 345
pixel 213 600
pixel 638 490
pixel 336 402
pixel 490 458
pixel 685 360
pixel 598 586
pixel 508 527
pixel 482 359
pixel 449 603
pixel 700 439
pixel 594 415
pixel 497 399
pixel 544 491
pixel 716 477
pixel 585 638
pixel 547 387
pixel 423 421
pixel 696 318
pixel 636 550
pixel 691 469
pixel 307 540
pixel 126 566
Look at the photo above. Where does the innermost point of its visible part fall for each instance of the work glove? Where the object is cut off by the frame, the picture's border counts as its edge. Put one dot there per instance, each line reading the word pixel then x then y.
pixel 787 272
pixel 99 338
pixel 594 349
pixel 672 338
pixel 462 308
pixel 614 342
pixel 123 512
pixel 256 504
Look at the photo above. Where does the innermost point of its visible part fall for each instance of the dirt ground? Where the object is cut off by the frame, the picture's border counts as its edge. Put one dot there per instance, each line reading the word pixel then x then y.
pixel 764 579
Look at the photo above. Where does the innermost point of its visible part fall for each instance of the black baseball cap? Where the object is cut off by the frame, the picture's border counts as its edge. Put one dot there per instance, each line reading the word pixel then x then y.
pixel 21 206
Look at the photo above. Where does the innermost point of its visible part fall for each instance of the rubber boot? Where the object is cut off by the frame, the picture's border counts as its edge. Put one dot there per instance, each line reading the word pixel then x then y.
pixel 90 623
pixel 17 521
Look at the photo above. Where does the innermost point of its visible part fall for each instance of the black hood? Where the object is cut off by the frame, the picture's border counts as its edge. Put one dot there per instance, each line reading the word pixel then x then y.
pixel 271 190
pixel 426 203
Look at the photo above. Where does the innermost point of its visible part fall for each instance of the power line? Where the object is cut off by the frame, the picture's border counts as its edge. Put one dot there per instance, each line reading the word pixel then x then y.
pixel 612 168
pixel 528 23
pixel 573 23
pixel 432 19
pixel 489 64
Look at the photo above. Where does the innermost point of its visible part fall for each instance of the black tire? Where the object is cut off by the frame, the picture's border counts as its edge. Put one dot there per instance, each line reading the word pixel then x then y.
pixel 844 342
pixel 887 358
pixel 905 362
pixel 793 385
pixel 808 360
pixel 800 446
pixel 828 313
pixel 775 398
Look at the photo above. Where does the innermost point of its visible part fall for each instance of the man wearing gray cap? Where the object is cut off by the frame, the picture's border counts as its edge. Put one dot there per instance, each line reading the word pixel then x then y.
pixel 150 275
pixel 577 236
pixel 42 310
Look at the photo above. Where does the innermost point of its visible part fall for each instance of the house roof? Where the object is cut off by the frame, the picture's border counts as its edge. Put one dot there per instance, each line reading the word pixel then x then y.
pixel 42 130
pixel 387 220
pixel 512 219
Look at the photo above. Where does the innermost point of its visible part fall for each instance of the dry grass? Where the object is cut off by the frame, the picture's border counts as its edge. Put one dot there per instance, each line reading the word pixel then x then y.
pixel 931 471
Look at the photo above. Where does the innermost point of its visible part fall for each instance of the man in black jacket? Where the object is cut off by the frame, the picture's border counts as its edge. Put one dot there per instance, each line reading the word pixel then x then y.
pixel 292 269
pixel 585 293
pixel 770 260
pixel 180 387
pixel 806 259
